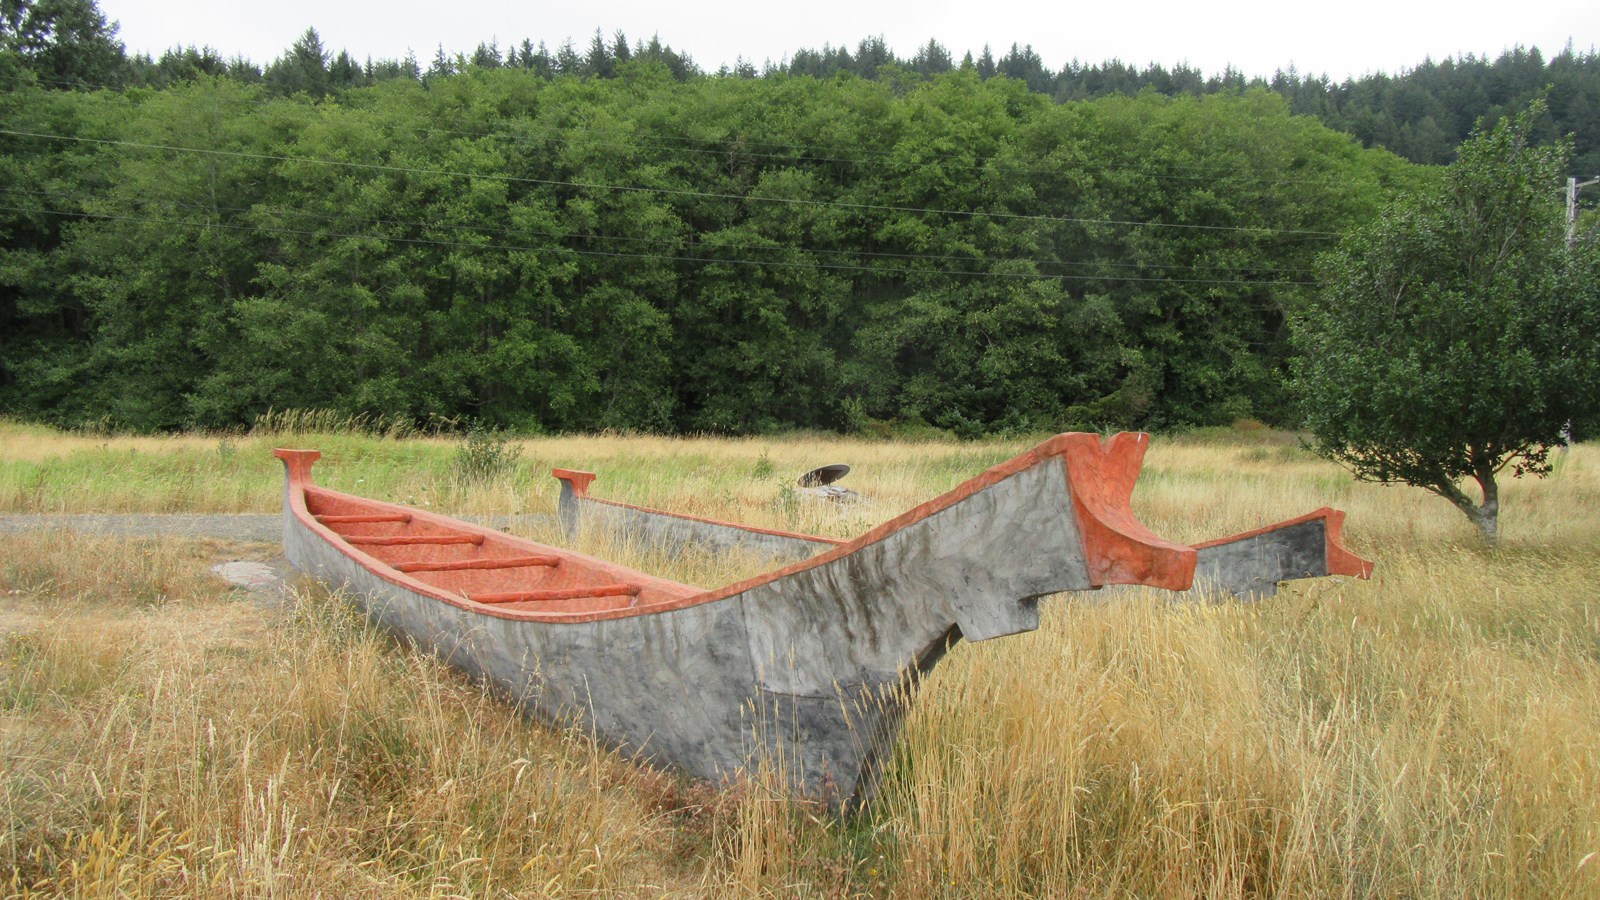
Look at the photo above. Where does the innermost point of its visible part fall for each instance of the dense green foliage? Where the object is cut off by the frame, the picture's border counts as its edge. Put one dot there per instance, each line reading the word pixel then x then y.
pixel 1460 333
pixel 605 236
pixel 720 254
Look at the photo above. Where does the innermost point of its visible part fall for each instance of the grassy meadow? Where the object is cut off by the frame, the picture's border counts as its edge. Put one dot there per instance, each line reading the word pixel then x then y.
pixel 1433 732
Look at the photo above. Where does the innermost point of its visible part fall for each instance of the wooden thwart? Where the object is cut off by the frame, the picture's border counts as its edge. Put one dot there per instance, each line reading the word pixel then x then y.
pixel 505 562
pixel 407 539
pixel 363 519
pixel 621 589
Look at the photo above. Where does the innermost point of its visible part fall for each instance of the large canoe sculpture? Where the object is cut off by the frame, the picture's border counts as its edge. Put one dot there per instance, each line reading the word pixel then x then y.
pixel 809 667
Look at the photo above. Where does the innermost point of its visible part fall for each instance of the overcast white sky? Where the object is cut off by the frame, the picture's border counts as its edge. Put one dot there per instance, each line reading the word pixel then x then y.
pixel 1256 36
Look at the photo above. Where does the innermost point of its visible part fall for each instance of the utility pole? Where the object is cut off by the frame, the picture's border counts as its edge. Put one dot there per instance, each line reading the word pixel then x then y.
pixel 1572 206
pixel 1572 237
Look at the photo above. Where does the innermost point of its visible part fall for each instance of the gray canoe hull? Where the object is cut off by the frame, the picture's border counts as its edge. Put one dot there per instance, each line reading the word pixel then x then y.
pixel 805 672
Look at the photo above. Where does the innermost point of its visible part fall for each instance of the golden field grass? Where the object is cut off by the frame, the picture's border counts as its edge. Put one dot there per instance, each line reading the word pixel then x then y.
pixel 1434 732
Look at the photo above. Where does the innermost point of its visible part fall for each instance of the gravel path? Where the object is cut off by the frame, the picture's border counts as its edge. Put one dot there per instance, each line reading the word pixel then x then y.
pixel 265 578
pixel 232 527
pixel 228 527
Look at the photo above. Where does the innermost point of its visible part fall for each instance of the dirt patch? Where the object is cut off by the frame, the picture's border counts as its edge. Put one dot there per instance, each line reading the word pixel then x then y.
pixel 18 616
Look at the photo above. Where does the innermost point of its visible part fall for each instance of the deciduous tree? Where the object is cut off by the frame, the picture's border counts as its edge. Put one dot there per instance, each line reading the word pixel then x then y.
pixel 1456 337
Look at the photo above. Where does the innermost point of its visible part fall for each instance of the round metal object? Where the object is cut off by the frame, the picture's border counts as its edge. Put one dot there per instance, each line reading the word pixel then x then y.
pixel 824 475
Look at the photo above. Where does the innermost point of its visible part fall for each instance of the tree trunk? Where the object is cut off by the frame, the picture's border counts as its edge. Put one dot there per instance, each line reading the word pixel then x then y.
pixel 1488 517
pixel 1485 515
pixel 1487 520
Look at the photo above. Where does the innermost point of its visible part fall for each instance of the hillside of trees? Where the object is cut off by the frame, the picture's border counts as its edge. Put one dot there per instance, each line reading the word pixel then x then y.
pixel 1421 113
pixel 614 239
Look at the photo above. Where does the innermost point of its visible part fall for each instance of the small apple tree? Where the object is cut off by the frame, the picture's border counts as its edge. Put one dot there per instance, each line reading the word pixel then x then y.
pixel 1459 334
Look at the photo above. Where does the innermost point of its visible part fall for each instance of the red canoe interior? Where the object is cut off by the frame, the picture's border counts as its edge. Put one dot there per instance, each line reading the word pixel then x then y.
pixel 482 566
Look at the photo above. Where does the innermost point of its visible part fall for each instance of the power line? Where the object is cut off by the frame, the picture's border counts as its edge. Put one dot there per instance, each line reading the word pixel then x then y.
pixel 804 153
pixel 676 192
pixel 771 264
pixel 875 254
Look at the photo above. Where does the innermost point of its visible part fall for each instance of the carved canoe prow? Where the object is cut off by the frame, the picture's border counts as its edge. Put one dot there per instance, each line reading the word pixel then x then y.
pixel 1253 563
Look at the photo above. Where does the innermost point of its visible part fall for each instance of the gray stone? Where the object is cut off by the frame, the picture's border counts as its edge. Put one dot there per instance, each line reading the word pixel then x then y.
pixel 250 575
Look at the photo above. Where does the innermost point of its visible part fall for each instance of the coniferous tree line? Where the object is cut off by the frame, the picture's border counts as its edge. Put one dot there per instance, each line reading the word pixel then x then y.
pixel 1422 113
pixel 609 237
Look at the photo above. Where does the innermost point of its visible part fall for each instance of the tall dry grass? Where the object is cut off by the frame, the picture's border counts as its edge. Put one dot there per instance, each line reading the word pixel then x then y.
pixel 208 746
pixel 747 479
pixel 1354 740
pixel 1434 732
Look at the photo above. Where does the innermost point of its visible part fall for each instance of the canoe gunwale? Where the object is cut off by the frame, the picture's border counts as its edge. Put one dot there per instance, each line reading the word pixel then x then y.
pixel 753 529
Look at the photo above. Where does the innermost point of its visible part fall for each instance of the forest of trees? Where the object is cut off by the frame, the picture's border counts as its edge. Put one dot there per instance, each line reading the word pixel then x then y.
pixel 609 237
